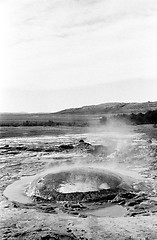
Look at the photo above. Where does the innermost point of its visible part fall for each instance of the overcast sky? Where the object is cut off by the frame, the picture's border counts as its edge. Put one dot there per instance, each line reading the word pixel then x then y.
pixel 56 54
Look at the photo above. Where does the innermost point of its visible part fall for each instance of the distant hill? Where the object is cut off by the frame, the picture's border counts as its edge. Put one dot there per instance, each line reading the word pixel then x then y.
pixel 79 117
pixel 112 108
pixel 82 114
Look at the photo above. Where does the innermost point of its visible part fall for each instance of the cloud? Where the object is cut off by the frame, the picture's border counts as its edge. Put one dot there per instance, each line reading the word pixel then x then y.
pixel 59 17
pixel 72 43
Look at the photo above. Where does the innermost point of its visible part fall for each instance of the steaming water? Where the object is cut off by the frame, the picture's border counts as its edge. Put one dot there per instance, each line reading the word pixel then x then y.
pixel 22 190
pixel 80 187
pixel 109 211
pixel 16 191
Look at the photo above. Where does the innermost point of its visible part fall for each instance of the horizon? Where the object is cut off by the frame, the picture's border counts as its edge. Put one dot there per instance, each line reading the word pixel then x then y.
pixel 76 108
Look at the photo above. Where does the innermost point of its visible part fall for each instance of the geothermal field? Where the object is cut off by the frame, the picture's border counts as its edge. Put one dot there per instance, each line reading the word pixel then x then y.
pixel 81 183
pixel 78 120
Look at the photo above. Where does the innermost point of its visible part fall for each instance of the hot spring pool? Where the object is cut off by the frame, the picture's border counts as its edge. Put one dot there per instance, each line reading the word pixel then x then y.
pixel 74 184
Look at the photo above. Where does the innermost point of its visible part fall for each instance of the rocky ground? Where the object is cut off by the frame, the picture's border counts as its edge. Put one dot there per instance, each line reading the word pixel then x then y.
pixel 132 153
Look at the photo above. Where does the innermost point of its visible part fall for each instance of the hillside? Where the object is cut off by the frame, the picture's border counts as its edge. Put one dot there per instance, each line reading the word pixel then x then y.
pixel 112 108
pixel 74 116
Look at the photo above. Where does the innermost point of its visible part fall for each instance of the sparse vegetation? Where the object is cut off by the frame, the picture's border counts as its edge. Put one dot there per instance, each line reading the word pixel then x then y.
pixel 149 117
pixel 49 123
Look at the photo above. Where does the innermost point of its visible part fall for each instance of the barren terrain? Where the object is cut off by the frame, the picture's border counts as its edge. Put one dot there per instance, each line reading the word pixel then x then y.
pixel 130 152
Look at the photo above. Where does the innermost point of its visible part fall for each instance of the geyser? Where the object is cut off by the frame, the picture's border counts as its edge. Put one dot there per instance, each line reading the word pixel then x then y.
pixel 84 184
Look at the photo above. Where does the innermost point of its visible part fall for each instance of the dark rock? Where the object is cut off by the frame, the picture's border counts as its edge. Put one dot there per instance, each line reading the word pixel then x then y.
pixel 84 146
pixel 133 202
pixel 15 205
pixel 6 146
pixel 82 216
pixel 47 208
pixel 134 213
pixel 127 195
pixel 66 147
